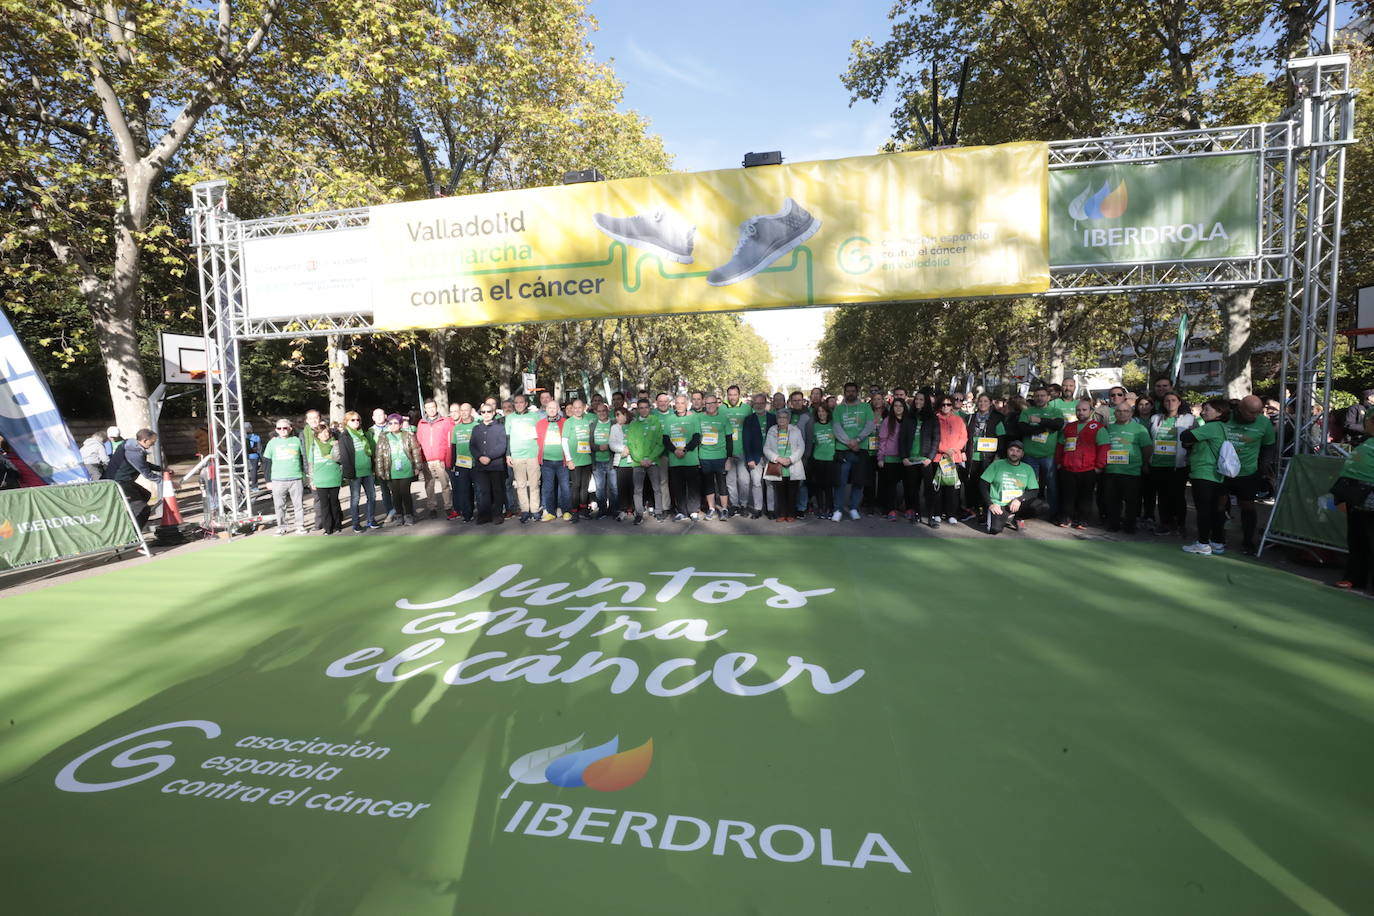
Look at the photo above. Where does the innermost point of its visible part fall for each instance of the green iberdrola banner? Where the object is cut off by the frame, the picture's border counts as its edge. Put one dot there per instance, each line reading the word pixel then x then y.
pixel 1176 209
pixel 42 524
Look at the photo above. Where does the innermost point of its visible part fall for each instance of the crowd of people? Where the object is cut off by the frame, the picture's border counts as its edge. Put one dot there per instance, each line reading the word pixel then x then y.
pixel 1126 461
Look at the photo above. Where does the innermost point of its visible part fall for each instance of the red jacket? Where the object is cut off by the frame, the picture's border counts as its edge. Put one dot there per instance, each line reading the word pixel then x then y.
pixel 1086 454
pixel 542 427
pixel 433 436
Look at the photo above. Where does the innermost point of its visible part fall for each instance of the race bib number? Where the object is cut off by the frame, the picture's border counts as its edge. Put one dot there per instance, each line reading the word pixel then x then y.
pixel 1071 445
pixel 463 461
pixel 584 448
pixel 1166 448
pixel 1118 456
pixel 872 443
pixel 987 444
pixel 710 437
pixel 1011 493
pixel 1042 438
pixel 679 442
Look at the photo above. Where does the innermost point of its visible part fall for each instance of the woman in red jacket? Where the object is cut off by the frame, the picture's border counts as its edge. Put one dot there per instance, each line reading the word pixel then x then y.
pixel 1079 460
pixel 952 439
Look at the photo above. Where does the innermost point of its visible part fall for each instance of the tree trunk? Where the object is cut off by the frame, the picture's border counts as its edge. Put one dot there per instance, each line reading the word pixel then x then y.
pixel 506 367
pixel 1054 325
pixel 114 308
pixel 1235 306
pixel 438 367
pixel 337 372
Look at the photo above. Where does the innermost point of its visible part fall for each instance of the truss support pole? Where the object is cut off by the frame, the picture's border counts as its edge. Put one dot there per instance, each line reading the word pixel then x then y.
pixel 1325 120
pixel 218 264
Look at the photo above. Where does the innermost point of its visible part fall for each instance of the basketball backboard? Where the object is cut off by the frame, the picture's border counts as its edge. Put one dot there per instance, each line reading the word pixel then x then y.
pixel 183 358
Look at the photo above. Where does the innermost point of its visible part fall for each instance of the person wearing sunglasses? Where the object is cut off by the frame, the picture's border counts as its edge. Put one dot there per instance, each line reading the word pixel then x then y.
pixel 951 441
pixel 398 461
pixel 284 470
pixel 488 446
pixel 355 464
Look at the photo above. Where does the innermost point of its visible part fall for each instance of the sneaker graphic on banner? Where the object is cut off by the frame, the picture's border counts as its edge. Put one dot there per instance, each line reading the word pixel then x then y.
pixel 662 232
pixel 764 239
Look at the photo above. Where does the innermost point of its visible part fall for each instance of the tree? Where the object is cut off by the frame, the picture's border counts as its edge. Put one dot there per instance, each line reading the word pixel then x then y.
pixel 95 101
pixel 1056 69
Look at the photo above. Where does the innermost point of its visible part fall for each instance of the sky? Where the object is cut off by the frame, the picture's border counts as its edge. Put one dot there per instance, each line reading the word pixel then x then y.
pixel 717 80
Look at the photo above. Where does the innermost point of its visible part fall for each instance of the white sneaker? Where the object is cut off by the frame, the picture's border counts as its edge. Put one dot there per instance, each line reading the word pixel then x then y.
pixel 854 514
pixel 952 520
pixel 280 532
pixel 695 516
pixel 836 517
pixel 1217 549
pixel 660 231
pixel 1202 550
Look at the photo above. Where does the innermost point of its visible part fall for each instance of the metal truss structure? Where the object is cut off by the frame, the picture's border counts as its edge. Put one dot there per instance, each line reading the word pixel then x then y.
pixel 1301 184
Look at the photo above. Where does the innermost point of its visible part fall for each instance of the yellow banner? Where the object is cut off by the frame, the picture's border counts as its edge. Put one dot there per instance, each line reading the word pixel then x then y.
pixel 943 224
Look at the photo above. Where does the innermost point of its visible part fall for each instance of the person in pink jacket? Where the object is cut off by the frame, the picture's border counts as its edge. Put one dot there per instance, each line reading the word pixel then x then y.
pixel 953 439
pixel 434 433
pixel 889 458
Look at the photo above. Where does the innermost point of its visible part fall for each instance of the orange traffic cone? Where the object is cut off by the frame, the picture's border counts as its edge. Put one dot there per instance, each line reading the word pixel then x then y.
pixel 171 512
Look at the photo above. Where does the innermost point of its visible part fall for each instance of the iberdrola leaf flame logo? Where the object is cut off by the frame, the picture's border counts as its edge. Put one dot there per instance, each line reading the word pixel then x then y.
pixel 530 768
pixel 618 771
pixel 566 772
pixel 6 529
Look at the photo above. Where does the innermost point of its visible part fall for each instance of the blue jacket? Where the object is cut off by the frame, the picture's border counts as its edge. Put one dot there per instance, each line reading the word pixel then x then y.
pixel 488 441
pixel 752 438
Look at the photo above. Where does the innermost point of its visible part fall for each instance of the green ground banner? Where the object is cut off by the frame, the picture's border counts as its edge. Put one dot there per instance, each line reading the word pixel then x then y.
pixel 43 524
pixel 739 724
pixel 1302 513
pixel 1175 209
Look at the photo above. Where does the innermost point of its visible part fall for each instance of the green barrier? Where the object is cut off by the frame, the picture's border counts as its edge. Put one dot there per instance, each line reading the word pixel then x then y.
pixel 1300 516
pixel 45 524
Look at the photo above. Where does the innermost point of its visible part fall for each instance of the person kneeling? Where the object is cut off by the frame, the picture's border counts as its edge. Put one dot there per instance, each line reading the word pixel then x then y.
pixel 1010 489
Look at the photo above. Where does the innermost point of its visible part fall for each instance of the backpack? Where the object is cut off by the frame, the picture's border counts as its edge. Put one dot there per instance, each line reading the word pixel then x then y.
pixel 1228 462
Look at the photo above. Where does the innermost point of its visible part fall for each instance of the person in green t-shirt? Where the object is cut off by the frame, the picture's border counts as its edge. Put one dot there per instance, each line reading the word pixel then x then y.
pixel 681 442
pixel 1252 435
pixel 1204 442
pixel 1009 487
pixel 717 437
pixel 577 433
pixel 464 480
pixel 398 460
pixel 1129 448
pixel 355 465
pixel 284 469
pixel 737 480
pixel 1038 426
pixel 820 466
pixel 523 456
pixel 603 464
pixel 326 476
pixel 854 423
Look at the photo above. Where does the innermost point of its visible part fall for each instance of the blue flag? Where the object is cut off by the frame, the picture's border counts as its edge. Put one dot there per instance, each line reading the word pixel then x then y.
pixel 29 421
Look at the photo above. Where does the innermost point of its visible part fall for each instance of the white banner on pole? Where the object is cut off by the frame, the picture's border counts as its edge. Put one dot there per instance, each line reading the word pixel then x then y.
pixel 308 274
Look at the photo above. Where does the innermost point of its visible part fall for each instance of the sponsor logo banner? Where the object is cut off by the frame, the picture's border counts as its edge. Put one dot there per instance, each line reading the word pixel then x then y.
pixel 948 223
pixel 42 524
pixel 1180 209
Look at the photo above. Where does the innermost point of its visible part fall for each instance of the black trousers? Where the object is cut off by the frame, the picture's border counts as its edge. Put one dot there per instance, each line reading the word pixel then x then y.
pixel 1244 490
pixel 941 501
pixel 625 488
pixel 328 515
pixel 820 481
pixel 1359 542
pixel 401 501
pixel 1076 495
pixel 579 480
pixel 685 483
pixel 1209 500
pixel 1030 508
pixel 784 497
pixel 1170 484
pixel 914 483
pixel 889 476
pixel 1123 500
pixel 491 493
